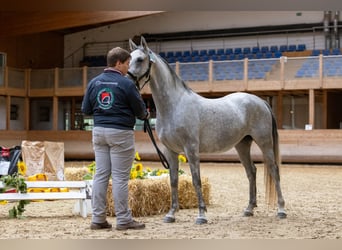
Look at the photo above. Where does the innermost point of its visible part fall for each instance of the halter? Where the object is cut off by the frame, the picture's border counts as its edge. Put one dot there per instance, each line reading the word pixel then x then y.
pixel 146 74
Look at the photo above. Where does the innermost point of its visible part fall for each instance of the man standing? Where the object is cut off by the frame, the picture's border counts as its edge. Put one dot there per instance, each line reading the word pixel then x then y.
pixel 114 102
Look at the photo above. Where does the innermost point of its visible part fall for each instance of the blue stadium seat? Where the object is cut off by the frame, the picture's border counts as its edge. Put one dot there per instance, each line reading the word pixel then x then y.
pixel 315 52
pixel 211 52
pixel 278 54
pixel 268 54
pixel 274 48
pixel 240 56
pixel 214 57
pixel 246 50
pixel 259 55
pixel 292 47
pixel 237 51
pixel 223 57
pixel 178 53
pixel 250 56
pixel 229 51
pixel 170 54
pixel 186 53
pixel 283 48
pixel 203 52
pixel 231 57
pixel 326 52
pixel 187 58
pixel 255 50
pixel 220 51
pixel 204 58
pixel 301 47
pixel 264 49
pixel 162 54
pixel 194 53
pixel 196 58
pixel 336 51
pixel 171 59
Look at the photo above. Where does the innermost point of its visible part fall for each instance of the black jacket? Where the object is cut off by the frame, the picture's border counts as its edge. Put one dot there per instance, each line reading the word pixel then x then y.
pixel 114 101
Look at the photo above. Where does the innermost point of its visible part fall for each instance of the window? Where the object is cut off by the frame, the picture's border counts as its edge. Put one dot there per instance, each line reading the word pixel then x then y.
pixel 44 114
pixel 14 112
pixel 2 68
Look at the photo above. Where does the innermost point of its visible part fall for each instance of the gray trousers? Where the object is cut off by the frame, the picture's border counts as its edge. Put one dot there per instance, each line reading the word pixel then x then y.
pixel 114 155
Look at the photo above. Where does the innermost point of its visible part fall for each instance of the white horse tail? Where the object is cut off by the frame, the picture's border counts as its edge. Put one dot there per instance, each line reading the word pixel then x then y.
pixel 269 182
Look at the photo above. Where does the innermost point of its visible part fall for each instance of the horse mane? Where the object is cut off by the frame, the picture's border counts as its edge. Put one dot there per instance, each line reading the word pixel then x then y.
pixel 175 77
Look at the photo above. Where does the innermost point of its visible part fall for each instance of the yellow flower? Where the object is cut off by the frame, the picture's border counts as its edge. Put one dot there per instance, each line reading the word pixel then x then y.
pixel 137 156
pixel 181 158
pixel 133 175
pixel 148 169
pixel 164 171
pixel 3 202
pixel 21 168
pixel 138 167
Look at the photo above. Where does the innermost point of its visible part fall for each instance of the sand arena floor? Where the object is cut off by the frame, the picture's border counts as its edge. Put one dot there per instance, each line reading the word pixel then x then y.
pixel 313 195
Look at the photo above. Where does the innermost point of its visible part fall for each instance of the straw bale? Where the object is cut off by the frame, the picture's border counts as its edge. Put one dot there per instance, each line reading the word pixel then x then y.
pixel 75 173
pixel 152 196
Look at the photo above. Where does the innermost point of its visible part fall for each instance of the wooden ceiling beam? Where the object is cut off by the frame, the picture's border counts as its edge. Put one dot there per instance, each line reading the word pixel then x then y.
pixel 23 23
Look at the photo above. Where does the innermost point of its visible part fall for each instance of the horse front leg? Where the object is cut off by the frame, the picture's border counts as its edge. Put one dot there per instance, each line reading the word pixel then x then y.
pixel 194 163
pixel 173 171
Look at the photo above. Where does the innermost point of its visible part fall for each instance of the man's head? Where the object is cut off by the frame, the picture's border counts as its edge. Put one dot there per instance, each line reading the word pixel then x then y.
pixel 119 59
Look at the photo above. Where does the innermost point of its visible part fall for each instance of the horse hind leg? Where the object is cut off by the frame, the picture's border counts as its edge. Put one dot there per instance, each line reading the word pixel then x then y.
pixel 272 165
pixel 243 148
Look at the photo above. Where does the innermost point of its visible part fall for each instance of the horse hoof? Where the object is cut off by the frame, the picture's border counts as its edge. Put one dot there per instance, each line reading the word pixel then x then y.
pixel 169 219
pixel 248 214
pixel 200 221
pixel 281 215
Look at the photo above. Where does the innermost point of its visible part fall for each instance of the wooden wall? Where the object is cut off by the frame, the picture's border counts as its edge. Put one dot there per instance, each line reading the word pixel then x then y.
pixel 37 51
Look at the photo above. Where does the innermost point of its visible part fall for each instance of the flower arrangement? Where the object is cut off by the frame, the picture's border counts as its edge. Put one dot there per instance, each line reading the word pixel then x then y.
pixel 16 183
pixel 138 171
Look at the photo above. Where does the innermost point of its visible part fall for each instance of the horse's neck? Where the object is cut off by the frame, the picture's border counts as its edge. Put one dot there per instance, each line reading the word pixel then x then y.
pixel 166 88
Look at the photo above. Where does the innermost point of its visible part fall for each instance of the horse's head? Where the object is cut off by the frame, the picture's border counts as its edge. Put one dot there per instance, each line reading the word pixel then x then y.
pixel 140 65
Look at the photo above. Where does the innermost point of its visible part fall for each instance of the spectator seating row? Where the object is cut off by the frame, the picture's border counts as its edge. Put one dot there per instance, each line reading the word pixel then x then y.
pixel 326 52
pixel 230 53
pixel 211 54
pixel 310 68
pixel 223 57
pixel 225 70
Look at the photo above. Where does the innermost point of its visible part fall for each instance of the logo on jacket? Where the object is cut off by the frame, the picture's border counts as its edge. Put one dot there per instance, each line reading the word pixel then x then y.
pixel 105 98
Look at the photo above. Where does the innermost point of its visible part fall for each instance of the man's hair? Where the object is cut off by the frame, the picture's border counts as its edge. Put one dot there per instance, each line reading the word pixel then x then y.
pixel 117 54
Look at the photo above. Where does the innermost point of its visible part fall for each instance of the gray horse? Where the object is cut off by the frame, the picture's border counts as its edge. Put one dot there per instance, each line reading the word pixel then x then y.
pixel 190 123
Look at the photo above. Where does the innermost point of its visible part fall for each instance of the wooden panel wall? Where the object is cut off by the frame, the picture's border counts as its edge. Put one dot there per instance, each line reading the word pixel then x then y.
pixel 37 51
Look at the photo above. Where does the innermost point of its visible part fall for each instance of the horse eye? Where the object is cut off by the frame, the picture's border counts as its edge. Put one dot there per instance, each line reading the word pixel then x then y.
pixel 140 60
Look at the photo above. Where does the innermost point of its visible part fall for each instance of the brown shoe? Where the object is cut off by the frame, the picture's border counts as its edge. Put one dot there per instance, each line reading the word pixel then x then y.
pixel 103 225
pixel 132 225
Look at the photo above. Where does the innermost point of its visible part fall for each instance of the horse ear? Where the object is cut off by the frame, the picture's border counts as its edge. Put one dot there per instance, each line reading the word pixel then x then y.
pixel 143 43
pixel 132 45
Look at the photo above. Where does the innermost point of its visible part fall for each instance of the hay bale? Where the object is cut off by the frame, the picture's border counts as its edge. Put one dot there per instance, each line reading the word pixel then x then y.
pixel 187 195
pixel 75 173
pixel 153 196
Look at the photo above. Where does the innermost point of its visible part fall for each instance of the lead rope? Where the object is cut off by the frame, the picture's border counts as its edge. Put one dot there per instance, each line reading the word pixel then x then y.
pixel 147 127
